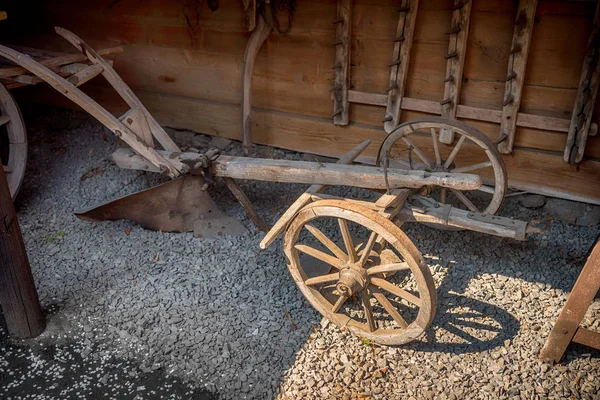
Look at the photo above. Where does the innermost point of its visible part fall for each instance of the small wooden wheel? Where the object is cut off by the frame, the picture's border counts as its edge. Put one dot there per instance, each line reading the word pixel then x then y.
pixel 13 141
pixel 380 287
pixel 480 156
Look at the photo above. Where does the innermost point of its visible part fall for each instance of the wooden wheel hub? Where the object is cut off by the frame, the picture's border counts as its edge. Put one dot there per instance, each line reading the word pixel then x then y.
pixel 353 279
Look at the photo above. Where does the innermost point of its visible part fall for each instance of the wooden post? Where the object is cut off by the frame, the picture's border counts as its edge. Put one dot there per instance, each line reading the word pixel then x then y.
pixel 18 297
pixel 457 49
pixel 399 65
pixel 583 109
pixel 341 106
pixel 515 79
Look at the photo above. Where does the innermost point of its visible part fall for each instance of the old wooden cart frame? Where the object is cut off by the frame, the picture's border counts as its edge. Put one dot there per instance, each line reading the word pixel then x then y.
pixel 363 271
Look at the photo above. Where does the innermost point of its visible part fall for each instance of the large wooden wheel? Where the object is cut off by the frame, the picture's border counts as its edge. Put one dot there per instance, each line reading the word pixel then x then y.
pixel 379 287
pixel 13 141
pixel 415 145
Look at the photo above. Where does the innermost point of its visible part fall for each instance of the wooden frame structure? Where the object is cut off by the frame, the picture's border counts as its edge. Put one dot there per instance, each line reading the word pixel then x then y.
pixel 509 117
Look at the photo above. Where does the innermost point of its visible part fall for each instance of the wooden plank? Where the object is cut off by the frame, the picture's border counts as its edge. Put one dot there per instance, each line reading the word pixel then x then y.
pixel 400 62
pixel 517 65
pixel 86 74
pixel 586 97
pixel 457 48
pixel 53 63
pixel 137 122
pixel 341 66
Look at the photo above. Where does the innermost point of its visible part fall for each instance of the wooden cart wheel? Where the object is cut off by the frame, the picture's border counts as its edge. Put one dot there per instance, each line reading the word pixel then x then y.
pixel 415 145
pixel 380 287
pixel 13 141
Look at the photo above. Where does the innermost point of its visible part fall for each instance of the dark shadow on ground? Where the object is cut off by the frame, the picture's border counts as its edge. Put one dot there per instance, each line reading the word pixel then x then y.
pixel 61 368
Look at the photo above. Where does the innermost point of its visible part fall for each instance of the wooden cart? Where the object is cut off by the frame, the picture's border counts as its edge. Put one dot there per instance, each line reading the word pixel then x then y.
pixel 371 280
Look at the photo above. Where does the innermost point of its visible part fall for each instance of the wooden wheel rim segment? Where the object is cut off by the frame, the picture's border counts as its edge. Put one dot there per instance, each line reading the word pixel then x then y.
pixel 394 237
pixel 426 124
pixel 12 121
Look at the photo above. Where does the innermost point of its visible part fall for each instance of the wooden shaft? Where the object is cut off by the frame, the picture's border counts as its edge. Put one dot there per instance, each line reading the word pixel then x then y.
pixel 337 175
pixel 18 297
pixel 246 204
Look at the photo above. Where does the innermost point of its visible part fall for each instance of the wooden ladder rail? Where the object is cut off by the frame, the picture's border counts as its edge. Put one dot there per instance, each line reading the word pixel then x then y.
pixel 70 91
pixel 567 328
pixel 125 92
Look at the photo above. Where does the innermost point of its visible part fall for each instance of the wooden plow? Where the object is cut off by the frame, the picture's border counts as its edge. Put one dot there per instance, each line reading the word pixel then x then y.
pixel 349 257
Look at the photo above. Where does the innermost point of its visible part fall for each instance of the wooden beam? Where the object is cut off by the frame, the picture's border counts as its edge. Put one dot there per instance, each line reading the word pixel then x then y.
pixel 135 120
pixel 468 112
pixel 586 97
pixel 341 106
pixel 457 49
pixel 400 62
pixel 86 74
pixel 515 79
pixel 246 204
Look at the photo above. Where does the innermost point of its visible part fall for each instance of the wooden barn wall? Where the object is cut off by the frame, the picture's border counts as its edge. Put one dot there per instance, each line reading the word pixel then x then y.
pixel 189 74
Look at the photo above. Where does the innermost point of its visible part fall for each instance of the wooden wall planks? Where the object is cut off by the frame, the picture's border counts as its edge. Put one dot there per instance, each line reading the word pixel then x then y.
pixel 200 71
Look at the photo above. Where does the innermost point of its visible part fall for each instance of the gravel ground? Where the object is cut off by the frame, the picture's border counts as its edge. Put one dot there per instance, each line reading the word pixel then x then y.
pixel 140 314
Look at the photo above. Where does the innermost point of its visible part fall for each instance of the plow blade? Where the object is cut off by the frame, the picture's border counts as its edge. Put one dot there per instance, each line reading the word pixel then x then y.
pixel 180 205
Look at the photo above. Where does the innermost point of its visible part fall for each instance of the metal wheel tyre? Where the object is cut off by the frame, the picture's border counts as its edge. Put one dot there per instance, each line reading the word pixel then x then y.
pixel 415 145
pixel 13 141
pixel 379 287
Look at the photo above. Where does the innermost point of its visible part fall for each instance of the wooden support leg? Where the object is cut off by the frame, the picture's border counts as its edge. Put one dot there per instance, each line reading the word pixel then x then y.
pixel 341 106
pixel 18 297
pixel 581 119
pixel 566 328
pixel 259 35
pixel 399 65
pixel 457 49
pixel 245 202
pixel 517 65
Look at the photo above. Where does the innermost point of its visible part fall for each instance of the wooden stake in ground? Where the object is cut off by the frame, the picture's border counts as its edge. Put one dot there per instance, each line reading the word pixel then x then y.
pixel 18 297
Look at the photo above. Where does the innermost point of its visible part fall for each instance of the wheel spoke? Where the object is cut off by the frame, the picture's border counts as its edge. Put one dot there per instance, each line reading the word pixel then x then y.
pixel 418 152
pixel 4 119
pixel 443 193
pixel 318 254
pixel 402 161
pixel 465 200
pixel 347 239
pixel 454 152
pixel 321 237
pixel 339 303
pixel 473 167
pixel 322 279
pixel 380 269
pixel 366 300
pixel 436 148
pixel 395 290
pixel 367 250
pixel 389 307
pixel 487 189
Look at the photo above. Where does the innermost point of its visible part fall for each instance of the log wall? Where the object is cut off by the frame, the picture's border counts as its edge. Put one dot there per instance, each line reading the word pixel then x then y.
pixel 189 74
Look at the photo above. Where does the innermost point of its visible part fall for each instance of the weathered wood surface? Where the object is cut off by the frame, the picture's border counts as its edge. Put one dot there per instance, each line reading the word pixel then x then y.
pixel 198 86
pixel 18 296
pixel 341 67
pixel 309 172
